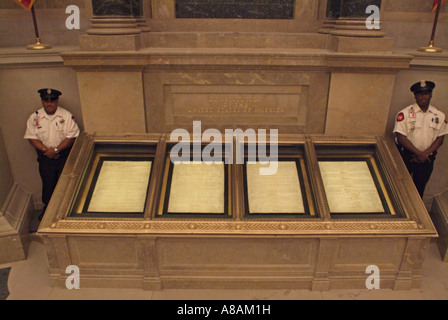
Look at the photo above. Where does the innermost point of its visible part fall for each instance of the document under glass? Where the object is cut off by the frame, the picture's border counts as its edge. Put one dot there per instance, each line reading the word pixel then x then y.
pixel 121 187
pixel 197 188
pixel 115 186
pixel 354 186
pixel 279 193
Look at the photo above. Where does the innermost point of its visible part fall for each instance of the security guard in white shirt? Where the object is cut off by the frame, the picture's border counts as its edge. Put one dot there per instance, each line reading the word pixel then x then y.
pixel 420 130
pixel 52 131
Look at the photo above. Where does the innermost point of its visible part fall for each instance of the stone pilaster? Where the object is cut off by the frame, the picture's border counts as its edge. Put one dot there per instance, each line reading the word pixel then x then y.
pixel 346 21
pixel 115 26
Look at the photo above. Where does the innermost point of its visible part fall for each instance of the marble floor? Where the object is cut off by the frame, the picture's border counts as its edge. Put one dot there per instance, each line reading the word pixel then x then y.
pixel 28 280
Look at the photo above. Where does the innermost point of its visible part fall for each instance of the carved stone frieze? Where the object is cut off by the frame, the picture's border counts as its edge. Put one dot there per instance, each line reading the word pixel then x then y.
pixel 239 227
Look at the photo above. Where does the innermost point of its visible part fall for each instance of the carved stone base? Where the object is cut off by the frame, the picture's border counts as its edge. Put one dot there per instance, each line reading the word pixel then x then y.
pixel 15 218
pixel 328 26
pixel 117 34
pixel 355 28
pixel 142 25
pixel 238 262
pixel 110 43
pixel 116 26
pixel 363 44
pixel 439 215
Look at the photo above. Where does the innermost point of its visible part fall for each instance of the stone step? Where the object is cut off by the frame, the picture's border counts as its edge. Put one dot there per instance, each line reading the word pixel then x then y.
pixel 235 40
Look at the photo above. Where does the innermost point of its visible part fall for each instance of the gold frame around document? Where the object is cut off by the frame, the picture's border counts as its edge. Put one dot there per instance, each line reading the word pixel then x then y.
pixel 378 177
pixel 90 173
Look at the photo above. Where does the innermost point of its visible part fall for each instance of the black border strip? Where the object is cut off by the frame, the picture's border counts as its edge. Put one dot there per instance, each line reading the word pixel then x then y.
pixel 307 212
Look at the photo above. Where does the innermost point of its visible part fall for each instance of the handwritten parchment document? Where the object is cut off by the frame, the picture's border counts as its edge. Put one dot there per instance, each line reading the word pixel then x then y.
pixel 279 193
pixel 197 188
pixel 350 187
pixel 121 187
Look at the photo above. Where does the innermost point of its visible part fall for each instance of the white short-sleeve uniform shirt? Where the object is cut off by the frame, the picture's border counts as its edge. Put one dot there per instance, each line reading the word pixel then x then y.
pixel 51 130
pixel 421 128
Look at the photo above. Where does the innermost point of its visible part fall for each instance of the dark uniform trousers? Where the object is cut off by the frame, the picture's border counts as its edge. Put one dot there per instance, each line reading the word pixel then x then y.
pixel 50 170
pixel 420 172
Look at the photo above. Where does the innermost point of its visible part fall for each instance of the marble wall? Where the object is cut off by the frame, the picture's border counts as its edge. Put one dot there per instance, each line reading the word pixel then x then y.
pixel 16 24
pixel 7 180
pixel 408 21
pixel 304 18
pixel 117 8
pixel 229 9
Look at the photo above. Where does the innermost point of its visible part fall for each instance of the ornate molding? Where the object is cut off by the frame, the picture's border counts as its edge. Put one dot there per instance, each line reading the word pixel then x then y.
pixel 277 227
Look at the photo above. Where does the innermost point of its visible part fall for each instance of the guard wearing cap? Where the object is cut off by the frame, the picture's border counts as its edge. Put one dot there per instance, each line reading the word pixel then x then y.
pixel 420 130
pixel 52 131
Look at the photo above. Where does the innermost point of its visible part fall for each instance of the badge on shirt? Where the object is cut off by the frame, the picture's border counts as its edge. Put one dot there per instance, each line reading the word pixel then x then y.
pixel 36 119
pixel 437 120
pixel 400 117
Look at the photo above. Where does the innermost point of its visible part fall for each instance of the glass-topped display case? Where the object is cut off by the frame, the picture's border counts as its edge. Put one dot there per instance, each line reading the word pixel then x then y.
pixel 199 214
pixel 117 177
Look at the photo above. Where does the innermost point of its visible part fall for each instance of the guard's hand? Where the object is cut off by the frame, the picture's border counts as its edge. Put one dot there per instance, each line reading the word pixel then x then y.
pixel 51 154
pixel 421 158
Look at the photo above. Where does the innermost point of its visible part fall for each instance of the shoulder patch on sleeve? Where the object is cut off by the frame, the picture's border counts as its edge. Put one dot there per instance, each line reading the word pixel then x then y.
pixel 400 117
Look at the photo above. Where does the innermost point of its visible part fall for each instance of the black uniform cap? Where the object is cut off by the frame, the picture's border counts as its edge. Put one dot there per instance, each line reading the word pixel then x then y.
pixel 49 94
pixel 423 86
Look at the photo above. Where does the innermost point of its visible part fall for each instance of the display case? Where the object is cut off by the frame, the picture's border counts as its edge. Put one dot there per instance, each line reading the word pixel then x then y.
pixel 303 212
